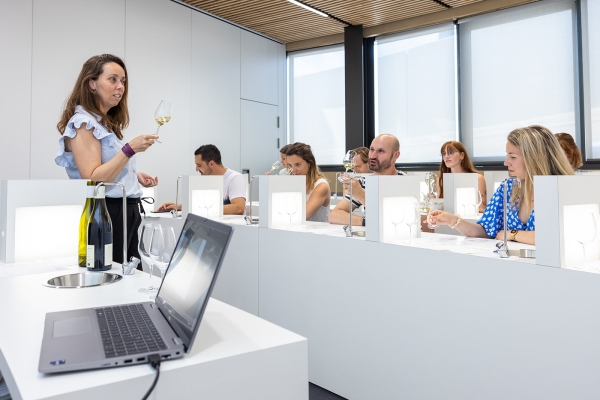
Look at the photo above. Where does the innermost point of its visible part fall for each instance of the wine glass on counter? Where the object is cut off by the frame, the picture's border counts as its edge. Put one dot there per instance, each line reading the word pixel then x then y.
pixel 207 203
pixel 290 207
pixel 144 249
pixel 412 217
pixel 396 218
pixel 162 115
pixel 162 247
pixel 586 232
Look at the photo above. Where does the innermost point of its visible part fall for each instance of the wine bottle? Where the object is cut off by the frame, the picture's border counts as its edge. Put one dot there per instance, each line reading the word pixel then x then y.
pixel 85 215
pixel 99 235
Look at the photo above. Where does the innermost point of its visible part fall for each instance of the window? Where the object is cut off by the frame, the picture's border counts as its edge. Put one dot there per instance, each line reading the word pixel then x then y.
pixel 415 91
pixel 517 69
pixel 591 56
pixel 316 102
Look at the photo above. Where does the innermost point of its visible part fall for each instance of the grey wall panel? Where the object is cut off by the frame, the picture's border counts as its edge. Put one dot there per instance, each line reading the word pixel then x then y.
pixel 158 42
pixel 215 116
pixel 259 68
pixel 15 68
pixel 64 37
pixel 259 136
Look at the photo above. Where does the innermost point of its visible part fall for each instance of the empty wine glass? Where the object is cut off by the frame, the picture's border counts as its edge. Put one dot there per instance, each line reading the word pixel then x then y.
pixel 396 218
pixel 207 203
pixel 290 207
pixel 586 232
pixel 478 201
pixel 162 115
pixel 162 246
pixel 411 217
pixel 144 249
pixel 349 161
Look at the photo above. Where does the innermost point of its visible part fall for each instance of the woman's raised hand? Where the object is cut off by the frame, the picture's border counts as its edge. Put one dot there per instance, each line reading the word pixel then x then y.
pixel 142 142
pixel 439 217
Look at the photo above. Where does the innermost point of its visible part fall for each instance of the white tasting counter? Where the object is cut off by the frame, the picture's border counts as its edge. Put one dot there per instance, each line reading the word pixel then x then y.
pixel 235 355
pixel 442 318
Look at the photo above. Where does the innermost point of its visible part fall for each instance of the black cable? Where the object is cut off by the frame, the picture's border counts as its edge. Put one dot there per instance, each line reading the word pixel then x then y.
pixel 155 362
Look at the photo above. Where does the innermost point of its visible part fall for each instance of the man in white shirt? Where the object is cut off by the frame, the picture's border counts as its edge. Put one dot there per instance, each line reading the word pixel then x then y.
pixel 383 153
pixel 208 162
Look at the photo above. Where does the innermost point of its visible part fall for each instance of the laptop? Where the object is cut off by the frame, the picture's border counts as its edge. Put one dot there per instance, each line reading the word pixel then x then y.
pixel 106 336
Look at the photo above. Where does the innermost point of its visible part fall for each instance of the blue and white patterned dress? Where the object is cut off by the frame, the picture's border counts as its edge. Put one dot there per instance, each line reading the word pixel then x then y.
pixel 492 219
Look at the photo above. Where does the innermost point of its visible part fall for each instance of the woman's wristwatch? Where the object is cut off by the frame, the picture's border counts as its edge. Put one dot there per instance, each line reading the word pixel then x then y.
pixel 513 234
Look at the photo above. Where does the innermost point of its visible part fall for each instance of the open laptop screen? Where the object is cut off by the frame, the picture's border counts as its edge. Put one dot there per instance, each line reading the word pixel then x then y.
pixel 192 272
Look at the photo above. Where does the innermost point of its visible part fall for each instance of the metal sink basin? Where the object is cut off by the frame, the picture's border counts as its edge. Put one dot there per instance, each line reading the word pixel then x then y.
pixel 82 280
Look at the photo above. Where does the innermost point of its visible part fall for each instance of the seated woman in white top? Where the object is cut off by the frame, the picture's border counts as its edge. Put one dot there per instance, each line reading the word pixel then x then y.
pixel 301 161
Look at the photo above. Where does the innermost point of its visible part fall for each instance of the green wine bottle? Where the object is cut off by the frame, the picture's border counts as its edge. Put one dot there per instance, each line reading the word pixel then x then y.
pixel 99 235
pixel 85 215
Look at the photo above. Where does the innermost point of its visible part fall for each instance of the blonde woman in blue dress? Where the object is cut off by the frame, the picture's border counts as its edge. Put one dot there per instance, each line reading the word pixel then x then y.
pixel 530 151
pixel 301 161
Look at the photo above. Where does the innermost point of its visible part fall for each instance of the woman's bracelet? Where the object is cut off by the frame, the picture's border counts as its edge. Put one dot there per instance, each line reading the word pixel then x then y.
pixel 128 150
pixel 458 221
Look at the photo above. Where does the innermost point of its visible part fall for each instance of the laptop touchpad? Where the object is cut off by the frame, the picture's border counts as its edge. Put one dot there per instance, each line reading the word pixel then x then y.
pixel 72 326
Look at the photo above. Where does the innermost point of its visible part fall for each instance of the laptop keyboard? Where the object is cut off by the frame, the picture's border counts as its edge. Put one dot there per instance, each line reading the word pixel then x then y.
pixel 127 330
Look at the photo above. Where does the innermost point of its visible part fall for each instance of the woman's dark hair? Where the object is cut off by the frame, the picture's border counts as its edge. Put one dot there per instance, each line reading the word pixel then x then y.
pixel 304 152
pixel 570 148
pixel 363 153
pixel 117 118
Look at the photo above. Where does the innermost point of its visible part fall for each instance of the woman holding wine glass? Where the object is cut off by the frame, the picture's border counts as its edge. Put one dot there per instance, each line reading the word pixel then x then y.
pixel 530 151
pixel 301 161
pixel 92 147
pixel 455 159
pixel 280 167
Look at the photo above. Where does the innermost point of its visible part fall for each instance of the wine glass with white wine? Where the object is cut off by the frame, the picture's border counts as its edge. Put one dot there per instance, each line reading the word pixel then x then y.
pixel 162 115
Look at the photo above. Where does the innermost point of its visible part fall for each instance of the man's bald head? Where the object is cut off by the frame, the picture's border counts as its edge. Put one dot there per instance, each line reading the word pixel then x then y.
pixel 388 140
pixel 384 151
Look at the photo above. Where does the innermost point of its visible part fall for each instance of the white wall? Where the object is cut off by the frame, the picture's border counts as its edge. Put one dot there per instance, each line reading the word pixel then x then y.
pixel 202 64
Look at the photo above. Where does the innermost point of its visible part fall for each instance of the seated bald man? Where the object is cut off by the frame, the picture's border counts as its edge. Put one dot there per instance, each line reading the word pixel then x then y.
pixel 383 153
pixel 208 162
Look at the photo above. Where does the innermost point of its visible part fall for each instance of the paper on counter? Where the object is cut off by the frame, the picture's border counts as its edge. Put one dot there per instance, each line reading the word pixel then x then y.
pixel 36 267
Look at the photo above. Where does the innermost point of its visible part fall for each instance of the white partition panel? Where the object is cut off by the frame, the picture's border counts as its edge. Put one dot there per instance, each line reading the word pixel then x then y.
pixel 158 43
pixel 384 196
pixel 493 180
pixel 457 188
pixel 65 35
pixel 15 108
pixel 46 222
pixel 566 209
pixel 259 136
pixel 202 195
pixel 282 197
pixel 259 68
pixel 215 117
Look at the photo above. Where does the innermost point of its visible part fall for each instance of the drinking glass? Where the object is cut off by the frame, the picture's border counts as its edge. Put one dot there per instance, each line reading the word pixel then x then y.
pixel 162 246
pixel 396 218
pixel 425 208
pixel 478 201
pixel 276 165
pixel 207 203
pixel 290 207
pixel 144 249
pixel 586 232
pixel 162 115
pixel 411 217
pixel 349 161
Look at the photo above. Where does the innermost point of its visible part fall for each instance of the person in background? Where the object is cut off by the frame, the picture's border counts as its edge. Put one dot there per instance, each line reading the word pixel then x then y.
pixel 301 161
pixel 91 144
pixel 208 162
pixel 570 148
pixel 455 159
pixel 530 151
pixel 361 161
pixel 283 169
pixel 383 153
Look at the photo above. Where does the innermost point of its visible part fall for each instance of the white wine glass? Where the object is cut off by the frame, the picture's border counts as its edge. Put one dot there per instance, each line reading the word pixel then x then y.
pixel 586 232
pixel 425 208
pixel 276 165
pixel 290 207
pixel 349 161
pixel 162 115
pixel 162 247
pixel 144 249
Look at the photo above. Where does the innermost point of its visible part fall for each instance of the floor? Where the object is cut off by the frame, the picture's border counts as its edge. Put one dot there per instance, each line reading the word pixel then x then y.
pixel 318 393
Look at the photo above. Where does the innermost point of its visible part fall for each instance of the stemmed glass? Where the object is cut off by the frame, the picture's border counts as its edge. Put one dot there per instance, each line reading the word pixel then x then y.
pixel 425 208
pixel 478 201
pixel 349 160
pixel 586 232
pixel 290 207
pixel 144 249
pixel 276 165
pixel 396 218
pixel 411 217
pixel 162 246
pixel 207 203
pixel 162 115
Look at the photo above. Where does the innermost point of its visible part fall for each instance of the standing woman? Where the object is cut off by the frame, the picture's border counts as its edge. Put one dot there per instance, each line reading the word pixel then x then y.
pixel 455 159
pixel 91 145
pixel 301 161
pixel 530 151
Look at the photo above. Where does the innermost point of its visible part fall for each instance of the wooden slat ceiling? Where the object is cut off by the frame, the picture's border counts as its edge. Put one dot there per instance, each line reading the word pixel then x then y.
pixel 288 22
